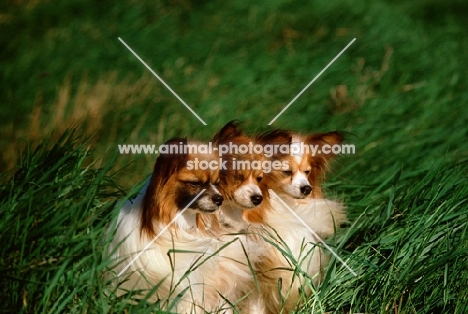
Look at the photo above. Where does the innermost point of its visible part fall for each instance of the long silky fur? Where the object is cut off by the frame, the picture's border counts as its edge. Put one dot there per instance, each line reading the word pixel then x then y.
pixel 189 261
pixel 243 224
pixel 157 200
pixel 232 132
pixel 320 163
pixel 279 282
pixel 287 232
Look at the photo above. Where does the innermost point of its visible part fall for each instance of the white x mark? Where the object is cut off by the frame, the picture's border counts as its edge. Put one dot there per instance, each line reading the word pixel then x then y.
pixel 164 83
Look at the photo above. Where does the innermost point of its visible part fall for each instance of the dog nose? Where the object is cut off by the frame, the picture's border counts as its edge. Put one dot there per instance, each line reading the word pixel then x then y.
pixel 306 189
pixel 217 199
pixel 256 199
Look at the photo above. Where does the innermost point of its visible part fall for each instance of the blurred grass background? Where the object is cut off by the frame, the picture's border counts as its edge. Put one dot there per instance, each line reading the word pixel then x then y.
pixel 400 89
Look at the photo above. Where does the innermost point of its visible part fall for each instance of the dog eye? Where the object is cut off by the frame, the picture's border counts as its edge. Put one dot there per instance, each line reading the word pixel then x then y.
pixel 307 172
pixel 288 172
pixel 195 184
pixel 259 179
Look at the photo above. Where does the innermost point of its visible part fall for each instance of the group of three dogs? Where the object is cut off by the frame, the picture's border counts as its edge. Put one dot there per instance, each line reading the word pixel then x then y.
pixel 235 245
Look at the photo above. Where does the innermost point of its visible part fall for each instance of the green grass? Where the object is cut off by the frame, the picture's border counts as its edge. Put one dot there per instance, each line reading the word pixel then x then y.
pixel 399 90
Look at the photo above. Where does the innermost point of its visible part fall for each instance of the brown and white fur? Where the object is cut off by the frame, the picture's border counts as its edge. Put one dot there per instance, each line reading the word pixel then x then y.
pixel 306 172
pixel 241 215
pixel 185 259
pixel 299 187
pixel 240 187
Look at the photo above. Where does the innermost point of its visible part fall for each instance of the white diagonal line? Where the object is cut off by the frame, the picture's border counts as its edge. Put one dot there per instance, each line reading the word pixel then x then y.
pixel 311 82
pixel 313 232
pixel 161 80
pixel 161 232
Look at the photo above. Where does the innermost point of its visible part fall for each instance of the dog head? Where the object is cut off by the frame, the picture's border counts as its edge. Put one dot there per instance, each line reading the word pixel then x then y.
pixel 178 178
pixel 240 179
pixel 303 162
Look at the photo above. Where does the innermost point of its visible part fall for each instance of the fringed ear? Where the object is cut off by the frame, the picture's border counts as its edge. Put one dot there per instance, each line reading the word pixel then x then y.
pixel 170 161
pixel 230 130
pixel 323 146
pixel 275 137
pixel 171 158
pixel 326 140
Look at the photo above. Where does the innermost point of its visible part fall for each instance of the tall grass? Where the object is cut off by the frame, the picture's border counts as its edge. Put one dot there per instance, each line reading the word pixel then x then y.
pixel 399 90
pixel 409 244
pixel 54 206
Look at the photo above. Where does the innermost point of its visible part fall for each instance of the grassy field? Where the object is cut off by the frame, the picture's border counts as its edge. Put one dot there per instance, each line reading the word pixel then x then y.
pixel 400 91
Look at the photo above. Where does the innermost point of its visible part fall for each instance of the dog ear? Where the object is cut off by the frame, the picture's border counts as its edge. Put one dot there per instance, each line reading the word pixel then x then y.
pixel 275 137
pixel 281 137
pixel 169 162
pixel 323 139
pixel 319 163
pixel 230 130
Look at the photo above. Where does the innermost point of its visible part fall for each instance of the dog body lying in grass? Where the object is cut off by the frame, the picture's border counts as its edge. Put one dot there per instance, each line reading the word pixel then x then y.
pixel 237 247
pixel 185 267
pixel 289 257
pixel 294 260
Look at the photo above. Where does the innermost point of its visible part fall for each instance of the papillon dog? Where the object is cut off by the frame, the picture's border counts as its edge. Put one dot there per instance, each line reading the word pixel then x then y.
pixel 239 179
pixel 296 187
pixel 242 214
pixel 181 259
